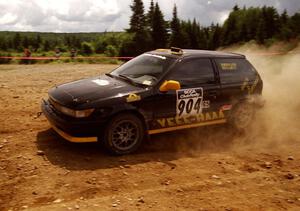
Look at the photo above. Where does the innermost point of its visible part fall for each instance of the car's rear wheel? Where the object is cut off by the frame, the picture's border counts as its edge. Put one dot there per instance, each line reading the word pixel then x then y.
pixel 124 134
pixel 242 115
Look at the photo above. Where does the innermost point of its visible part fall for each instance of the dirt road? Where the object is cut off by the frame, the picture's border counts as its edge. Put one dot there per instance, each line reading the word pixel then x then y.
pixel 203 169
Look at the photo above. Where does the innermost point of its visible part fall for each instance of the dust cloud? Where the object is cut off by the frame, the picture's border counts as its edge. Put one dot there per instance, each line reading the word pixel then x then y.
pixel 276 125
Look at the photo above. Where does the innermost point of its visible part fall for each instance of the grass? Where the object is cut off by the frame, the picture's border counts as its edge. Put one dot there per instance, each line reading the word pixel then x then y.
pixel 64 58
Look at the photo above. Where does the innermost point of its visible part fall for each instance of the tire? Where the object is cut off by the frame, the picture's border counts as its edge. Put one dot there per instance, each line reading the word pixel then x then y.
pixel 124 134
pixel 242 116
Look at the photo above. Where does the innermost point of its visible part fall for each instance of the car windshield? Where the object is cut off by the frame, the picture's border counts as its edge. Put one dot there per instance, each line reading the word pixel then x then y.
pixel 145 69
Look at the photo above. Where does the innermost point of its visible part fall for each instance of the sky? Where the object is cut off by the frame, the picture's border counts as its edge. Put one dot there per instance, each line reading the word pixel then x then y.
pixel 113 15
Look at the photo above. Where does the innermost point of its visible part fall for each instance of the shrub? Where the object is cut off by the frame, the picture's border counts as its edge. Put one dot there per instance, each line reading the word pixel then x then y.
pixel 111 51
pixel 86 48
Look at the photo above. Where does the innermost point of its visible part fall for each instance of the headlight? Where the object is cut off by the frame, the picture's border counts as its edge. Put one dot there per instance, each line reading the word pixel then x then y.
pixel 76 113
pixel 71 112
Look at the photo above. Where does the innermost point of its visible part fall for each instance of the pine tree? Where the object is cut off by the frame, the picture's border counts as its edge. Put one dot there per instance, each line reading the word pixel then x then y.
pixel 285 30
pixel 67 41
pixel 251 20
pixel 150 14
pixel 271 18
pixel 230 31
pixel 159 31
pixel 37 42
pixel 215 38
pixel 46 45
pixel 294 23
pixel 137 20
pixel 243 33
pixel 236 8
pixel 196 35
pixel 187 31
pixel 17 42
pixel 3 44
pixel 141 40
pixel 261 32
pixel 284 17
pixel 177 38
pixel 25 42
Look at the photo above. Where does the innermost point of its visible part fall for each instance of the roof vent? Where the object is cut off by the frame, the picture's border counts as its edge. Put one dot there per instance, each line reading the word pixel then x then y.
pixel 177 51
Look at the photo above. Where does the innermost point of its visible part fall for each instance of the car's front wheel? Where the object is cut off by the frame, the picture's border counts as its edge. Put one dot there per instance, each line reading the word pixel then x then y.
pixel 124 134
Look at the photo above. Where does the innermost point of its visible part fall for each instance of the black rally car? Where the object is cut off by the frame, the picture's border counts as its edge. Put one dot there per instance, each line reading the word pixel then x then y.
pixel 159 91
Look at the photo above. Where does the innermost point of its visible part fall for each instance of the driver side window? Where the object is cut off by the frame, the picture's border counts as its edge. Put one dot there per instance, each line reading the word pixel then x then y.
pixel 193 71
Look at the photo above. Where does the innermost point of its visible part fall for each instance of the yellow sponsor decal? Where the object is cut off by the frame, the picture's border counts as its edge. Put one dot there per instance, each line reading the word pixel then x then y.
pixel 187 120
pixel 228 66
pixel 133 98
pixel 250 88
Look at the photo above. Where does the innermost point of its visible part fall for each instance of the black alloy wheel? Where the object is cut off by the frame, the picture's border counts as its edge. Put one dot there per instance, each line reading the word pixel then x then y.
pixel 124 134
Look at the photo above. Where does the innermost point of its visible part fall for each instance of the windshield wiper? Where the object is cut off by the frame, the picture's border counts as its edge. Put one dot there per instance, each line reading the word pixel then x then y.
pixel 127 78
pixel 109 74
pixel 131 80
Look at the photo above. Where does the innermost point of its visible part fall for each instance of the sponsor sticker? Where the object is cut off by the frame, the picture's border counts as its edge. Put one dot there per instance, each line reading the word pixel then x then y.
pixel 189 101
pixel 228 66
pixel 133 98
pixel 147 82
pixel 101 82
pixel 193 119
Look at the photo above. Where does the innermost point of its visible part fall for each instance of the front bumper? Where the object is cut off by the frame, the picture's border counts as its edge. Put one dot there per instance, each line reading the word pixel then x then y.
pixel 73 138
pixel 78 132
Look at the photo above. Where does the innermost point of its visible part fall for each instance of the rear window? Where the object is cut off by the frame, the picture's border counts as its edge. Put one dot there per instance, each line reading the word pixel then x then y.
pixel 235 70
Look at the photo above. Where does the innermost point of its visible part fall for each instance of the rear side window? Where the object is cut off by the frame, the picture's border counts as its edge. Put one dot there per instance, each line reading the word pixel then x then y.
pixel 194 71
pixel 235 70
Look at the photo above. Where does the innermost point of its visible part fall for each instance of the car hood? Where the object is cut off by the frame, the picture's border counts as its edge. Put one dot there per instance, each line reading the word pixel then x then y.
pixel 92 89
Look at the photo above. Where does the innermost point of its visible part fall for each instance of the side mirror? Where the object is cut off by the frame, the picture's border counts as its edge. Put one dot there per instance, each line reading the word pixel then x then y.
pixel 169 85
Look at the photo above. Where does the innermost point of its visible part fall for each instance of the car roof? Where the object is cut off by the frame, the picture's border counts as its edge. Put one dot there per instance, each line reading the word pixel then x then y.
pixel 184 53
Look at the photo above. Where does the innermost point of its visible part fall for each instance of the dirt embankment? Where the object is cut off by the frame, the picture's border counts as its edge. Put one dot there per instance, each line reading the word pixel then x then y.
pixel 205 169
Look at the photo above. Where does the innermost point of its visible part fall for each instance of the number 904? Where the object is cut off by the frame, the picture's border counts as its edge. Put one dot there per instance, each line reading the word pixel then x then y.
pixel 189 106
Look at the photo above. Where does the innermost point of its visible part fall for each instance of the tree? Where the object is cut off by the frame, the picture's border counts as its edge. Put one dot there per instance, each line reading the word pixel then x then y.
pixel 243 33
pixel 215 38
pixel 250 20
pixel 271 18
pixel 67 40
pixel 177 38
pixel 159 31
pixel 3 44
pixel 230 30
pixel 47 45
pixel 75 42
pixel 141 40
pixel 137 20
pixel 295 23
pixel 150 14
pixel 285 30
pixel 261 32
pixel 111 50
pixel 17 42
pixel 197 36
pixel 186 29
pixel 25 42
pixel 284 18
pixel 236 8
pixel 86 48
pixel 37 42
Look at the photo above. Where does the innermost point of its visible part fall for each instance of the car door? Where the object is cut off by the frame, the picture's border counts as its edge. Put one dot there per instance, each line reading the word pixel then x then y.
pixel 198 94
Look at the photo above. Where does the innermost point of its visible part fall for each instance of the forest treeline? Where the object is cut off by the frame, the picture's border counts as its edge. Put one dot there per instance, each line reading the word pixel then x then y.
pixel 148 29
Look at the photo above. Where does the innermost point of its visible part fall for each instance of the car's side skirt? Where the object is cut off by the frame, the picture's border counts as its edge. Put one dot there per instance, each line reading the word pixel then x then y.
pixel 162 130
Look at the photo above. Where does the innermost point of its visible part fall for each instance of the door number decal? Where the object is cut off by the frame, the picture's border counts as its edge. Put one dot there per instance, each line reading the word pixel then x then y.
pixel 189 101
